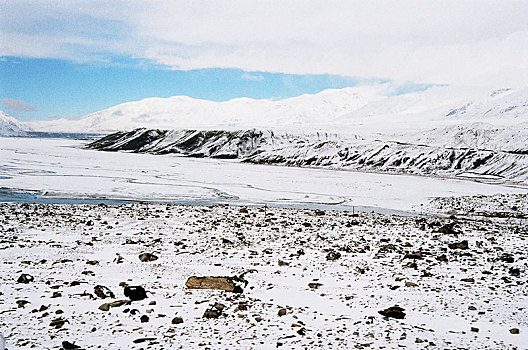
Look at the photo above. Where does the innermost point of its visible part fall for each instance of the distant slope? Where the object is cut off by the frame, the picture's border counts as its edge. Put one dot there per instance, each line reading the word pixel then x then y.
pixel 366 110
pixel 184 112
pixel 9 126
pixel 326 150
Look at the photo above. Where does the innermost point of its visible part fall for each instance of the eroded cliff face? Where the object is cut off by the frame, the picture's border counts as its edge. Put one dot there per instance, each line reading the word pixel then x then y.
pixel 466 155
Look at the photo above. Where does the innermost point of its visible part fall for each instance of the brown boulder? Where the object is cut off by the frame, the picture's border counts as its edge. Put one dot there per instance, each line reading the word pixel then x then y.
pixel 228 284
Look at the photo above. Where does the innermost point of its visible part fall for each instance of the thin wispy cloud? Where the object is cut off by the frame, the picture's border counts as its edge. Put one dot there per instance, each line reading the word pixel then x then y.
pixel 17 105
pixel 252 77
pixel 448 42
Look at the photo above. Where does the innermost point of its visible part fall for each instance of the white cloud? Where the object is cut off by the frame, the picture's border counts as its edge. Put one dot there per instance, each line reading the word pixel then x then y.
pixel 252 77
pixel 453 42
pixel 17 105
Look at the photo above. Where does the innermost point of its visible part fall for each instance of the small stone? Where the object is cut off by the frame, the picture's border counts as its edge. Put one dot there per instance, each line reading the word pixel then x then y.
pixel 514 331
pixel 22 303
pixel 394 312
pixel 314 285
pixel 212 313
pixel 135 293
pixel 410 284
pixel 282 312
pixel 103 292
pixel 58 322
pixel 145 257
pixel 468 280
pixel 66 345
pixel 474 329
pixel 333 256
pixel 283 263
pixel 25 278
pixel 459 245
pixel 144 318
pixel 515 272
pixel 177 320
pixel 219 307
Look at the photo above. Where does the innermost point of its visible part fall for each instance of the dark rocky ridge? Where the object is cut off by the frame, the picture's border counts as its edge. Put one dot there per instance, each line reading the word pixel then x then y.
pixel 322 150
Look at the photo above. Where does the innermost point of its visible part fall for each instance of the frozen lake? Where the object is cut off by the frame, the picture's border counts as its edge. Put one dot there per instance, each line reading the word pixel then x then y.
pixel 60 168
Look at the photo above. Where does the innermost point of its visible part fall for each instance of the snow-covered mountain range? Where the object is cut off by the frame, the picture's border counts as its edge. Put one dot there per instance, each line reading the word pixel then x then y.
pixel 365 109
pixel 9 126
pixel 442 130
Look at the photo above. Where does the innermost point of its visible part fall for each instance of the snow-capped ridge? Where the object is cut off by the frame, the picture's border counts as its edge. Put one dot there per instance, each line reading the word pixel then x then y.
pixel 10 126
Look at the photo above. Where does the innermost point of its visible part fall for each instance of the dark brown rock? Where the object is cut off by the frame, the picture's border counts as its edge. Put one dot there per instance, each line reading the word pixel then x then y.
pixel 135 293
pixel 25 278
pixel 145 257
pixel 459 245
pixel 103 292
pixel 394 312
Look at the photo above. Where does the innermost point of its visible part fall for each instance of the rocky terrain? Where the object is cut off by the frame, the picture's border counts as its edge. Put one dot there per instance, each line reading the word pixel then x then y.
pixel 144 276
pixel 479 157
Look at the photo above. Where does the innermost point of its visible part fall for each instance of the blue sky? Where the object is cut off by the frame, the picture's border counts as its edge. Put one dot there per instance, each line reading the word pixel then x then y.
pixel 61 88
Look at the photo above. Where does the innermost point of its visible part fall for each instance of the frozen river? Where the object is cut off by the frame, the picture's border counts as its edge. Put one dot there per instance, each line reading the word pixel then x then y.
pixel 60 168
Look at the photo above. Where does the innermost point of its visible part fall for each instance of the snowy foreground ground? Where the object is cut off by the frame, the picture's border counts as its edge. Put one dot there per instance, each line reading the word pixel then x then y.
pixel 315 279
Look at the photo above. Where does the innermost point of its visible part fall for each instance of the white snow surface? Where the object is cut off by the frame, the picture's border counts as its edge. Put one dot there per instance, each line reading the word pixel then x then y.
pixel 9 126
pixel 61 168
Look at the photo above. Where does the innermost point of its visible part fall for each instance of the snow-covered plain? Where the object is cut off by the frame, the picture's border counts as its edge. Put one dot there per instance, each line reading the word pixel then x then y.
pixel 61 168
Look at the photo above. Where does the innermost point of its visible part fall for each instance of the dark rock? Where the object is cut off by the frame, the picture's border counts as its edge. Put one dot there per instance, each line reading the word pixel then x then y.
pixel 507 258
pixel 145 257
pixel 417 255
pixel 25 278
pixel 144 319
pixel 468 280
pixel 442 258
pixel 394 312
pixel 66 345
pixel 219 307
pixel 117 303
pixel 448 229
pixel 283 263
pixel 459 245
pixel 516 272
pixel 22 303
pixel 103 292
pixel 58 322
pixel 282 312
pixel 314 285
pixel 212 313
pixel 514 331
pixel 135 293
pixel 331 256
pixel 177 320
pixel 142 340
